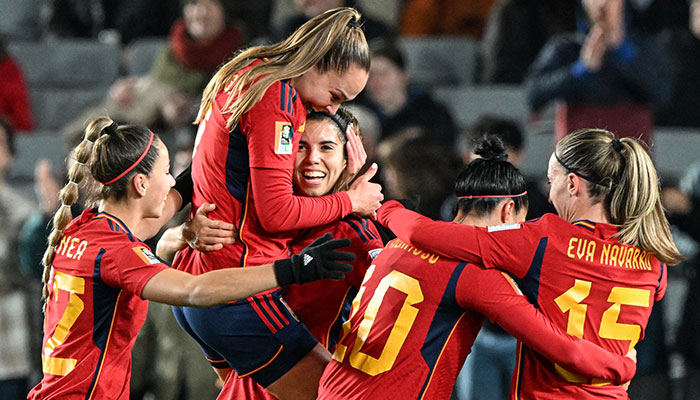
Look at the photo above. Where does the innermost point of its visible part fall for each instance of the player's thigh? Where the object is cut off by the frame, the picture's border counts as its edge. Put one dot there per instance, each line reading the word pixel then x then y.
pixel 259 337
pixel 301 381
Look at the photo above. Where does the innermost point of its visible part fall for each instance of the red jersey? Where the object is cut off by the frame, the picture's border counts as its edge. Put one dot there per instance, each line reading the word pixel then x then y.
pixel 322 306
pixel 94 309
pixel 247 172
pixel 415 318
pixel 579 275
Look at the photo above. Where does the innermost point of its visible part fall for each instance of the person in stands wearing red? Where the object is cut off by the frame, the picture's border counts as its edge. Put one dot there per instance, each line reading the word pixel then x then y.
pixel 14 99
pixel 595 270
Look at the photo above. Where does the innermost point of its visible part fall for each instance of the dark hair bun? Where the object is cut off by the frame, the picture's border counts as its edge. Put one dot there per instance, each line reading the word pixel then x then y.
pixel 490 147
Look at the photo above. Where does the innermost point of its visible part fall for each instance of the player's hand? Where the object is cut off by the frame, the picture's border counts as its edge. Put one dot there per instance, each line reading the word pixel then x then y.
pixel 632 355
pixel 204 234
pixel 366 196
pixel 319 260
pixel 357 156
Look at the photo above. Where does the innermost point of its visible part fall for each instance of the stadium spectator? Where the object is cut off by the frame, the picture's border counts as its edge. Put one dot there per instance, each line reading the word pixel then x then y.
pixel 515 33
pixel 167 96
pixel 445 17
pixel 398 105
pixel 607 75
pixel 14 99
pixel 413 163
pixel 15 291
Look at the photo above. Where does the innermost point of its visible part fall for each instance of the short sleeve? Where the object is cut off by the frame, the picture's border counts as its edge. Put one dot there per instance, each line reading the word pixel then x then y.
pixel 130 267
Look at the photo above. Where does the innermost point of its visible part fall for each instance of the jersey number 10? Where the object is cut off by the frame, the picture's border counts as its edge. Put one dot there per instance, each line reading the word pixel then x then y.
pixel 399 331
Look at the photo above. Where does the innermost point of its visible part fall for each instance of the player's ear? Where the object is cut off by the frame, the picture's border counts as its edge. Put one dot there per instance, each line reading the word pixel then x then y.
pixel 507 211
pixel 139 183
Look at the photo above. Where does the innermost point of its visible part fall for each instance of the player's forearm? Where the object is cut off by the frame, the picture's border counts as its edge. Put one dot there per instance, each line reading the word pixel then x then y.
pixel 576 355
pixel 279 210
pixel 230 284
pixel 170 243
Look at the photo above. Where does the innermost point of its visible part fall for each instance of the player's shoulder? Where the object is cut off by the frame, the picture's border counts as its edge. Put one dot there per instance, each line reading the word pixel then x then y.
pixel 361 228
pixel 282 97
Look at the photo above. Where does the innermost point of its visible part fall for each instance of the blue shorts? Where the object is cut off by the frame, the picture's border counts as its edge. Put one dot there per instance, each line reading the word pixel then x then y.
pixel 258 337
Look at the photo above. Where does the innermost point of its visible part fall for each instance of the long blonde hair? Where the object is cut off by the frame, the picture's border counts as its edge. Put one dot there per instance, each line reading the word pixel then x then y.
pixel 620 174
pixel 331 40
pixel 106 151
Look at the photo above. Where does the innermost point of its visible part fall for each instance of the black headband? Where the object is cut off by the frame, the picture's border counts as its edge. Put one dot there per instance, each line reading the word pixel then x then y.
pixel 342 124
pixel 588 178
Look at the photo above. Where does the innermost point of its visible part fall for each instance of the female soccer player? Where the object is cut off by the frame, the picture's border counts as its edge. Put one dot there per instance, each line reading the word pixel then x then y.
pixel 320 169
pixel 98 272
pixel 595 270
pixel 251 118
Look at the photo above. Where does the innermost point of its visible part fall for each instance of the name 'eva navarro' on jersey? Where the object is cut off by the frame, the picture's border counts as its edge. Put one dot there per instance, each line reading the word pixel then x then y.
pixel 613 255
pixel 399 244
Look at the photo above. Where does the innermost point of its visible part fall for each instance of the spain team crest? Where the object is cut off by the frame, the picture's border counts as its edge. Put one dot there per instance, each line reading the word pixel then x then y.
pixel 283 137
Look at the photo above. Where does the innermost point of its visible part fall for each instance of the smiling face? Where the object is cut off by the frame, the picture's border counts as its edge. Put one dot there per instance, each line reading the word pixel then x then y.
pixel 159 182
pixel 320 160
pixel 328 90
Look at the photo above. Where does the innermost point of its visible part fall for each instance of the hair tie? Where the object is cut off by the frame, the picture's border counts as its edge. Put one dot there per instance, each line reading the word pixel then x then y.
pixel 111 129
pixel 617 145
pixel 498 196
pixel 72 182
pixel 126 171
pixel 354 23
pixel 85 139
pixel 82 164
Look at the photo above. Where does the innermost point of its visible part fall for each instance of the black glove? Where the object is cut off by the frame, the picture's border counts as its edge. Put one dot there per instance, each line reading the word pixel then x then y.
pixel 184 186
pixel 319 260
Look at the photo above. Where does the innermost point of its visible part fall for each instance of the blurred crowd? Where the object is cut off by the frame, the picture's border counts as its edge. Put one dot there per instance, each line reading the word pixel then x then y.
pixel 629 66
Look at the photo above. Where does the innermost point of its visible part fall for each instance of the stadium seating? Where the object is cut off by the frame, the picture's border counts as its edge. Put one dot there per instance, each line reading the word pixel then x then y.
pixel 440 61
pixel 64 76
pixel 142 54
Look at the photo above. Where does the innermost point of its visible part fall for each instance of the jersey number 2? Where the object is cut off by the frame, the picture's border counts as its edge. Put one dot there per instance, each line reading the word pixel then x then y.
pixel 399 331
pixel 74 286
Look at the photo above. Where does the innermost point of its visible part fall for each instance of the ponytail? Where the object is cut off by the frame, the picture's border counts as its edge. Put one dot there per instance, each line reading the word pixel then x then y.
pixel 69 195
pixel 620 174
pixel 636 203
pixel 331 40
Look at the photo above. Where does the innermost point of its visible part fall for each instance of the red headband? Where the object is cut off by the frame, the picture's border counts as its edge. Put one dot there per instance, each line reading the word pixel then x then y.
pixel 493 196
pixel 126 171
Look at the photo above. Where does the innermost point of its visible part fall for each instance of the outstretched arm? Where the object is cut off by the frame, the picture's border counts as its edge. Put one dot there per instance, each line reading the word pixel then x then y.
pixel 495 294
pixel 442 238
pixel 319 260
